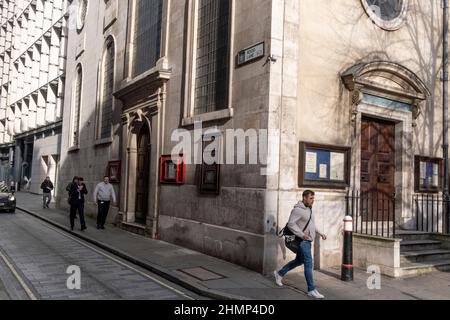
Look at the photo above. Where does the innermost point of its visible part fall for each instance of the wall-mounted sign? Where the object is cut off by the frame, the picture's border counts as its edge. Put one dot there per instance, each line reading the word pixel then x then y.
pixel 251 54
pixel 172 170
pixel 323 166
pixel 428 177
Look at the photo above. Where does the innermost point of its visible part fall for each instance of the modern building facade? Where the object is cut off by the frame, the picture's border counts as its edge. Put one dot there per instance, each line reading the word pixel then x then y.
pixel 346 93
pixel 32 68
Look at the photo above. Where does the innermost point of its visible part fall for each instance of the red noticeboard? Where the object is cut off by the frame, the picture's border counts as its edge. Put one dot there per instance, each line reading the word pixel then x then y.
pixel 172 170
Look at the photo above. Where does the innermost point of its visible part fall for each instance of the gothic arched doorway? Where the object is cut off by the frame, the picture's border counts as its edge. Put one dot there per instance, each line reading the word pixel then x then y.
pixel 142 174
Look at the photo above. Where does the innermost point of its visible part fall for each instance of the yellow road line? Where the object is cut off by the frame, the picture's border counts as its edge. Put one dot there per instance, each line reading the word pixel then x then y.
pixel 18 277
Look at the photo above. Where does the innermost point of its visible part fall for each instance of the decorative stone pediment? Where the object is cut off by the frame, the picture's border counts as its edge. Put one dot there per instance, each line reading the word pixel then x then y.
pixel 387 78
pixel 385 83
pixel 142 88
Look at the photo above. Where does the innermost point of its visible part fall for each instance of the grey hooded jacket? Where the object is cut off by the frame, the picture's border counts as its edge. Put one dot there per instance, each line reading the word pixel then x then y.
pixel 298 220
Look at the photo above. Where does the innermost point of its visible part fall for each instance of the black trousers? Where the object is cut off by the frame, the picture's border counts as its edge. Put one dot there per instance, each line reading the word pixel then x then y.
pixel 103 210
pixel 74 209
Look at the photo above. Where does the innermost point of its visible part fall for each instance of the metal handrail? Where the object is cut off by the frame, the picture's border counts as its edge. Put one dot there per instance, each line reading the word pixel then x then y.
pixel 373 213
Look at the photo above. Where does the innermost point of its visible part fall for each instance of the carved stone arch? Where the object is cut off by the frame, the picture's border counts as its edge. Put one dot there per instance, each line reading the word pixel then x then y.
pixel 137 120
pixel 386 79
pixel 389 96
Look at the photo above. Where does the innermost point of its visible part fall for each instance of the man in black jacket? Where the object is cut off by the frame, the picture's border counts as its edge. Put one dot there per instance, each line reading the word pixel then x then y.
pixel 77 191
pixel 47 188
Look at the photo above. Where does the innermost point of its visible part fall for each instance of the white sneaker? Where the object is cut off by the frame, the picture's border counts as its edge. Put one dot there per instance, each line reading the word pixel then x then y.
pixel 278 279
pixel 316 295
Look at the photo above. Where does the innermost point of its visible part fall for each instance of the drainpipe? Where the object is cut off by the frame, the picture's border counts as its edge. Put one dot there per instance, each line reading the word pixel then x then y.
pixel 445 113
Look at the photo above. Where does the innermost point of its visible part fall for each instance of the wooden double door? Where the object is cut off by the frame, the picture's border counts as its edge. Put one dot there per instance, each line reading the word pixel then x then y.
pixel 378 158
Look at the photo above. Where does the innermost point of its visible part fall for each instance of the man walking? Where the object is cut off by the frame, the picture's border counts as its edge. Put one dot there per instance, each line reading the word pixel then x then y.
pixel 47 188
pixel 302 225
pixel 103 194
pixel 77 192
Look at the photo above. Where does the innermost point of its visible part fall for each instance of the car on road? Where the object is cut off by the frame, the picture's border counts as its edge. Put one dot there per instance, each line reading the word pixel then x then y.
pixel 7 198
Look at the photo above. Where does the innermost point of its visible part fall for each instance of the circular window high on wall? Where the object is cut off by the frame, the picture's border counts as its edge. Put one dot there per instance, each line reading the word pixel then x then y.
pixel 82 10
pixel 387 14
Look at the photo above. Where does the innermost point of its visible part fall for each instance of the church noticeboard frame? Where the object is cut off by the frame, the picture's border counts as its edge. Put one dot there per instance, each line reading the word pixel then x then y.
pixel 209 179
pixel 428 174
pixel 324 166
pixel 172 170
pixel 113 171
pixel 209 183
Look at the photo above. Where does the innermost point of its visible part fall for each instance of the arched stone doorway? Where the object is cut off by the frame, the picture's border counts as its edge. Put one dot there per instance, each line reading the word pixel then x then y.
pixel 386 99
pixel 142 175
pixel 142 137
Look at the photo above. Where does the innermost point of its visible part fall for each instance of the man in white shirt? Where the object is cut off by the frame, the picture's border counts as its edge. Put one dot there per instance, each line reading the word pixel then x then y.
pixel 103 194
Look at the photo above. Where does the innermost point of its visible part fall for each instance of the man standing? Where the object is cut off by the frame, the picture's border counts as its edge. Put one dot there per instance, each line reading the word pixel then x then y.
pixel 47 188
pixel 83 191
pixel 77 191
pixel 302 225
pixel 103 194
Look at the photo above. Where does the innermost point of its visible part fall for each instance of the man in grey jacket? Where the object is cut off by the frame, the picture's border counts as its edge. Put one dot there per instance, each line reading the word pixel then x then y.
pixel 302 225
pixel 103 194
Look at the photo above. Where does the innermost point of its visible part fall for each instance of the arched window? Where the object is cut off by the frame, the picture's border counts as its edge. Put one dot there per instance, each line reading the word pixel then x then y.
pixel 146 40
pixel 386 9
pixel 107 85
pixel 82 11
pixel 77 108
pixel 213 50
pixel 387 14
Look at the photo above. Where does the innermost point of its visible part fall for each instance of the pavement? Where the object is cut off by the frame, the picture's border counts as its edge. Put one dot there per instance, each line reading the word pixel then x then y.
pixel 41 262
pixel 217 279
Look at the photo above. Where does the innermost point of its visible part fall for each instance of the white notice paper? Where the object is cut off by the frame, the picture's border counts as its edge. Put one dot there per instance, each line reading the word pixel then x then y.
pixel 323 171
pixel 311 162
pixel 435 175
pixel 337 163
pixel 423 170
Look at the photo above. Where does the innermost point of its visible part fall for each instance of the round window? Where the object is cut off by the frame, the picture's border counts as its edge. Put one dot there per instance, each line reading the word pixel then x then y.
pixel 82 9
pixel 387 14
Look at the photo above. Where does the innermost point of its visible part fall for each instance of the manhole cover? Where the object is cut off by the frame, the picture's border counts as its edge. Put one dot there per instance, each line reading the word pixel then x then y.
pixel 202 274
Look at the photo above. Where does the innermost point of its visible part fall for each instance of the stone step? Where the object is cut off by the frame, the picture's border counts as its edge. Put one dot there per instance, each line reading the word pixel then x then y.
pixel 419 245
pixel 417 269
pixel 413 235
pixel 133 228
pixel 424 256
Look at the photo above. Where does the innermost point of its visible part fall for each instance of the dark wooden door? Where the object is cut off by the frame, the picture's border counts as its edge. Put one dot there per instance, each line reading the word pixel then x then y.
pixel 142 175
pixel 378 168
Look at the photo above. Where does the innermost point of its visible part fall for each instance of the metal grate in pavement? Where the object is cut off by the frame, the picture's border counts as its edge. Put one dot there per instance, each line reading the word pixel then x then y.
pixel 202 274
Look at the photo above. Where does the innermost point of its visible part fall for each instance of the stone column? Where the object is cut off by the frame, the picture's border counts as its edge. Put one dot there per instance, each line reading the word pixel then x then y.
pixel 283 108
pixel 124 200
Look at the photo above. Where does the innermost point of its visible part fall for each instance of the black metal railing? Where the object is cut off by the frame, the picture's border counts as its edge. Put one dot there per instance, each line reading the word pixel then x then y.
pixel 373 213
pixel 431 213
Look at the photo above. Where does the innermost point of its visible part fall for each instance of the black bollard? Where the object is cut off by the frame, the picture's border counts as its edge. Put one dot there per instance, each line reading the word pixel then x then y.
pixel 347 261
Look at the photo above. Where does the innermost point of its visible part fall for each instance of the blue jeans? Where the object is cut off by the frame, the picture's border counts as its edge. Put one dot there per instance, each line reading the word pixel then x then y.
pixel 304 256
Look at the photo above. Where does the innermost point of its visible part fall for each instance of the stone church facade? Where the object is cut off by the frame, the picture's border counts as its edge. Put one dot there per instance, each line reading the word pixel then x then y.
pixel 328 79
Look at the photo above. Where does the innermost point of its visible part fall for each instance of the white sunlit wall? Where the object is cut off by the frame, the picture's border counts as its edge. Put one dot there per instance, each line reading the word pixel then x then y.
pixel 32 65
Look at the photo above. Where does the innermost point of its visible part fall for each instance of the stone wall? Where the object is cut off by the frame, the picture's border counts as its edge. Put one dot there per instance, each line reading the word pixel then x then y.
pixel 86 48
pixel 45 162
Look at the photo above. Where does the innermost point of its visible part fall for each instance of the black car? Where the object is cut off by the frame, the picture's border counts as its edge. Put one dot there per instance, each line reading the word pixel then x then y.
pixel 7 202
